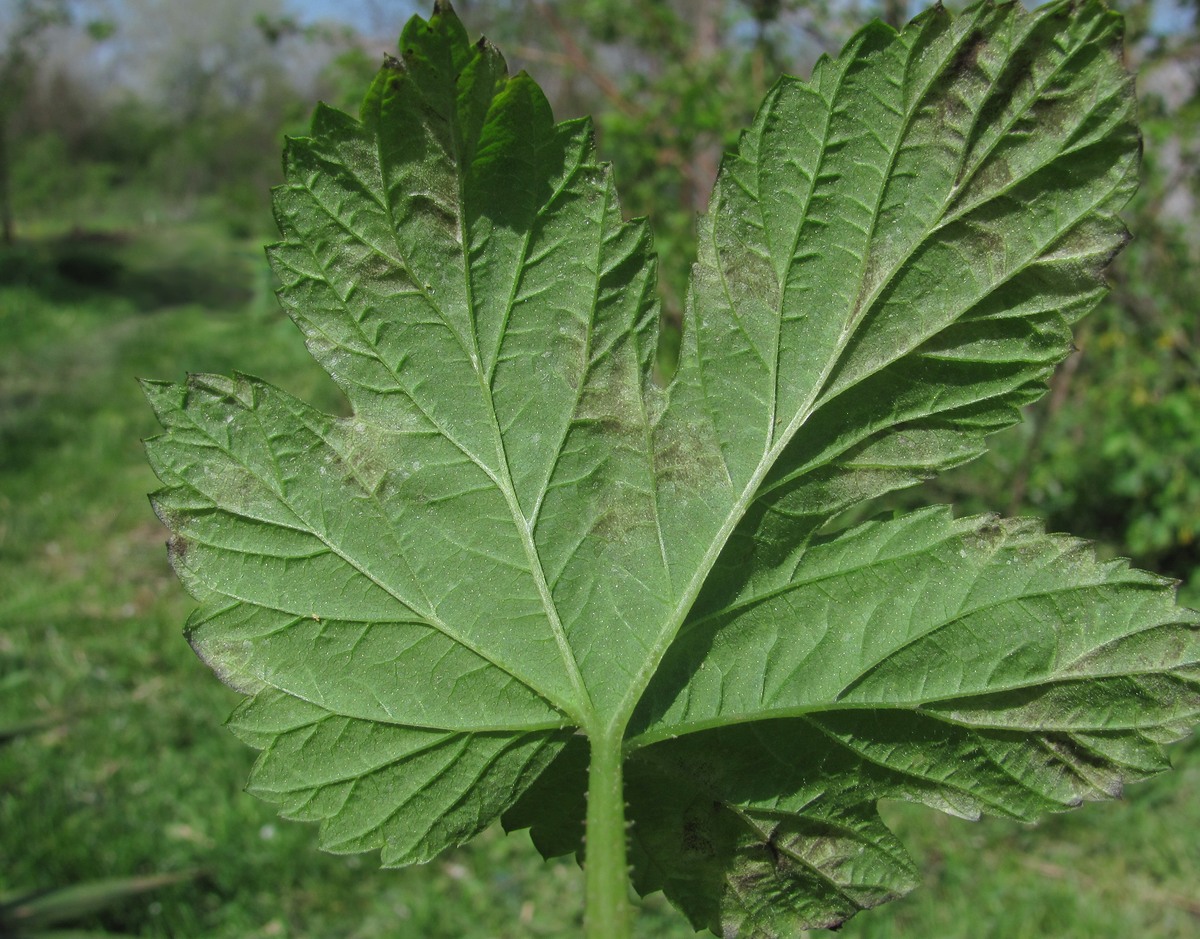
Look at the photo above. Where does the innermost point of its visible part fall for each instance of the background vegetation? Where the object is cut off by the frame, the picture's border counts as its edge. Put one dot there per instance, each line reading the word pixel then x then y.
pixel 138 139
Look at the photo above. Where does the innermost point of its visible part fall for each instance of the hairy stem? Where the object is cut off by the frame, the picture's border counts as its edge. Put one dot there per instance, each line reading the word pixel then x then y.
pixel 606 872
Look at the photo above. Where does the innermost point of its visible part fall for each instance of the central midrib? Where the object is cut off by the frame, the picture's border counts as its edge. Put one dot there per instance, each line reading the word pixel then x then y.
pixel 582 707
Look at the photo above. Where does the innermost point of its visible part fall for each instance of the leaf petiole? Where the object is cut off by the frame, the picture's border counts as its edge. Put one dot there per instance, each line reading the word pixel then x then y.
pixel 606 870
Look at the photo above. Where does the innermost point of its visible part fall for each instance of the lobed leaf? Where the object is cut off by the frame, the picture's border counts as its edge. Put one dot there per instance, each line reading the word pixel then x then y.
pixel 517 542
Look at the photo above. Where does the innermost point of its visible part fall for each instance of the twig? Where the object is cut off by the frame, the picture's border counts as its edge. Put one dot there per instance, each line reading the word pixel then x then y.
pixel 1060 385
pixel 582 62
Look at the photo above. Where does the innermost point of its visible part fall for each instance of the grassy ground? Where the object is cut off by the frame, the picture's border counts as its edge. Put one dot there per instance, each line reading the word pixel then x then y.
pixel 132 775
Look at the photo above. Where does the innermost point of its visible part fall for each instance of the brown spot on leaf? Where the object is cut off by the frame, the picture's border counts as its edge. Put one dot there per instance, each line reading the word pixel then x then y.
pixel 177 549
pixel 968 56
pixel 688 457
pixel 694 841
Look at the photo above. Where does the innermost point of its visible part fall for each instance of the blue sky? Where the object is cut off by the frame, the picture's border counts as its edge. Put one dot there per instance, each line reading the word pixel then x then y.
pixel 359 13
pixel 1170 15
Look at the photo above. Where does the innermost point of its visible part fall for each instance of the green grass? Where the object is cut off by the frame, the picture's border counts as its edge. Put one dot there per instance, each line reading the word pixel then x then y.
pixel 138 778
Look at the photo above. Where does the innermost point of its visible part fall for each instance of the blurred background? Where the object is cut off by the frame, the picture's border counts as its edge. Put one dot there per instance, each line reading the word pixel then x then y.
pixel 138 142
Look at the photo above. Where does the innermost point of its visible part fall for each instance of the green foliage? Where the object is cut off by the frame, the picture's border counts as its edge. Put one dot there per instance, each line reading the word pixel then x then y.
pixel 24 38
pixel 520 569
pixel 1140 485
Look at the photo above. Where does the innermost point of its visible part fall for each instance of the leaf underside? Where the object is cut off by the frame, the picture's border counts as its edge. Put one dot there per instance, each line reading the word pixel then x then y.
pixel 518 540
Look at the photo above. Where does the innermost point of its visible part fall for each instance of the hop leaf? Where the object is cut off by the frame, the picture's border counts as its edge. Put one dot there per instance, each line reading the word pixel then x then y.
pixel 518 541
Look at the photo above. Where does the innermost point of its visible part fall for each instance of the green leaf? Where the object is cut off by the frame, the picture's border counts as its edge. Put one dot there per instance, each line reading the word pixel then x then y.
pixel 518 550
pixel 927 612
pixel 375 783
pixel 978 666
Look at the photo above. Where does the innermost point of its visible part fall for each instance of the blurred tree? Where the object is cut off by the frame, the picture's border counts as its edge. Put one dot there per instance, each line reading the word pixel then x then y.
pixel 28 25
pixel 222 82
